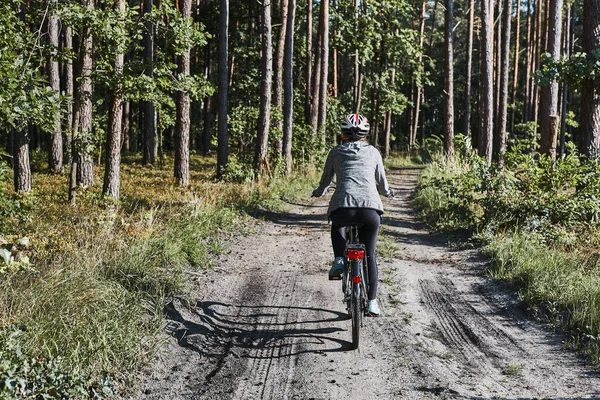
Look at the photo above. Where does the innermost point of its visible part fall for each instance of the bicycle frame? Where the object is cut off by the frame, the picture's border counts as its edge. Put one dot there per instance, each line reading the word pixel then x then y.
pixel 356 281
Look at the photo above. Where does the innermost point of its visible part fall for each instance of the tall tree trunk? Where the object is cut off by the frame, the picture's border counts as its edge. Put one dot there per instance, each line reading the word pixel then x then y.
pixel 487 84
pixel 388 121
pixel 55 155
pixel 207 127
pixel 500 136
pixel 538 51
pixel 549 96
pixel 516 65
pixel 324 70
pixel 467 126
pixel 112 169
pixel 85 170
pixel 69 91
pixel 22 167
pixel 182 123
pixel 222 102
pixel 497 57
pixel 316 79
pixel 590 95
pixel 528 52
pixel 149 126
pixel 288 89
pixel 413 129
pixel 449 81
pixel 334 60
pixel 566 97
pixel 278 76
pixel 261 163
pixel 309 68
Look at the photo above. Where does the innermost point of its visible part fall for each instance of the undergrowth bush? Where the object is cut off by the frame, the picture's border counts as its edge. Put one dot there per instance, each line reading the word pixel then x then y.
pixel 539 218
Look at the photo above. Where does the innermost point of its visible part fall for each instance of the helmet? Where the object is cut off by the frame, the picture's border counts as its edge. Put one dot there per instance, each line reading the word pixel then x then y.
pixel 355 126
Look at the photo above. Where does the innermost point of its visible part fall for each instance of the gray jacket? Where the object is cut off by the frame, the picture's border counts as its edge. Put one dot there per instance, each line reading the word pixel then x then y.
pixel 360 177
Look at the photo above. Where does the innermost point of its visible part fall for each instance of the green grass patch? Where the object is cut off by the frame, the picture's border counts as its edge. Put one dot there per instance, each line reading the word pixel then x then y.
pixel 88 307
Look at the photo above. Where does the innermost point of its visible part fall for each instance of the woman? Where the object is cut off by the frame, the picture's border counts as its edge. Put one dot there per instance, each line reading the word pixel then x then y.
pixel 360 177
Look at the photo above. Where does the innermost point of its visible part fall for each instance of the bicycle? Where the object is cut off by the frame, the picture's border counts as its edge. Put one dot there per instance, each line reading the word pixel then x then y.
pixel 355 281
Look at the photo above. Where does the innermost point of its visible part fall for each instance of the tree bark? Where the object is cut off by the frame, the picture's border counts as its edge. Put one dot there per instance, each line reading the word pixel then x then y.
pixel 487 84
pixel 549 96
pixel 468 75
pixel 413 129
pixel 112 169
pixel 55 155
pixel 22 166
pixel 309 69
pixel 288 101
pixel 528 52
pixel 500 136
pixel 261 163
pixel 323 92
pixel 69 91
pixel 149 126
pixel 449 81
pixel 207 127
pixel 182 123
pixel 388 121
pixel 278 76
pixel 316 80
pixel 516 66
pixel 222 102
pixel 590 95
pixel 85 170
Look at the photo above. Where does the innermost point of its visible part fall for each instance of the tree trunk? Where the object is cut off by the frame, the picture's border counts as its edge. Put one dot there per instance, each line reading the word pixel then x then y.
pixel 278 74
pixel 324 70
pixel 222 102
pixel 388 121
pixel 497 58
pixel 316 80
pixel 516 66
pixel 22 167
pixel 487 84
pixel 528 52
pixel 55 155
pixel 112 169
pixel 549 96
pixel 413 129
pixel 207 127
pixel 467 126
pixel 126 141
pixel 85 170
pixel 149 126
pixel 500 136
pixel 566 97
pixel 69 91
pixel 182 123
pixel 309 69
pixel 590 95
pixel 288 89
pixel 449 81
pixel 261 163
pixel 356 89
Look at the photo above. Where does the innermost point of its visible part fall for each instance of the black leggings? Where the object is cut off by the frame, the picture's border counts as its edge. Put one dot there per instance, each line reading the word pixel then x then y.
pixel 369 220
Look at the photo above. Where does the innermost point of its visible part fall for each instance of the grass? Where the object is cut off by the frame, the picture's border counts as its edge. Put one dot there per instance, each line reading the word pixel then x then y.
pixel 91 307
pixel 552 264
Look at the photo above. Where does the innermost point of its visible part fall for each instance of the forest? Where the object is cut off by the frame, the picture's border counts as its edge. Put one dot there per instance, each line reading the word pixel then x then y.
pixel 132 131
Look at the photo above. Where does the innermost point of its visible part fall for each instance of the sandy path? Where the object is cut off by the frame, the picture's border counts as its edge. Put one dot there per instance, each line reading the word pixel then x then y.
pixel 269 325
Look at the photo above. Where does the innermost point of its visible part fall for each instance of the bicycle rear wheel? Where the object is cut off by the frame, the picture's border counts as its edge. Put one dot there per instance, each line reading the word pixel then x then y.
pixel 356 310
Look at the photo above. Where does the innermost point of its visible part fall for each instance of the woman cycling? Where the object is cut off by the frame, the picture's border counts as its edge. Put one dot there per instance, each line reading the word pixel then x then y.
pixel 360 178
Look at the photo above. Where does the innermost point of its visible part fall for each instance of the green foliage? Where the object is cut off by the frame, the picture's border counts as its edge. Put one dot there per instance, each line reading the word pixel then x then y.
pixel 14 208
pixel 573 70
pixel 37 378
pixel 25 96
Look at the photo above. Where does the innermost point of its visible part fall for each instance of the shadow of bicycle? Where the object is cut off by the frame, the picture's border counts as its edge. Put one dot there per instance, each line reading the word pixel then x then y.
pixel 216 329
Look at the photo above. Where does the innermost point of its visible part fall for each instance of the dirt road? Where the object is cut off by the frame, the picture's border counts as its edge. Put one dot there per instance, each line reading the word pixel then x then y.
pixel 269 325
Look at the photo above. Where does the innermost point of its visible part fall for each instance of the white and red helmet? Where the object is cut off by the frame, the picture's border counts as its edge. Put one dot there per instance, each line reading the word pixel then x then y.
pixel 355 126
